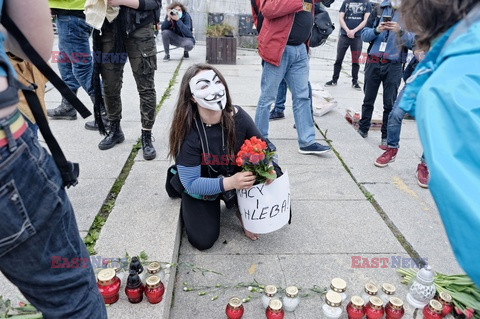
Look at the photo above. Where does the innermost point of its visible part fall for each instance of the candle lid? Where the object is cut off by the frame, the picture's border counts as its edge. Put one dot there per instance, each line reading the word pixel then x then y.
pixel 376 302
pixel 357 301
pixel 338 285
pixel 396 303
pixel 291 291
pixel 333 299
pixel 153 281
pixel 435 306
pixel 106 274
pixel 371 289
pixel 235 302
pixel 153 267
pixel 275 304
pixel 445 296
pixel 270 290
pixel 389 289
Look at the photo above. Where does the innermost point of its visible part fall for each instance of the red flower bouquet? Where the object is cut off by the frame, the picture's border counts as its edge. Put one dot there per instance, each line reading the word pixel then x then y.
pixel 256 158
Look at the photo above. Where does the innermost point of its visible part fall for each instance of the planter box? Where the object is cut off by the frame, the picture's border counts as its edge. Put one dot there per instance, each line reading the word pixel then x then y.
pixel 222 50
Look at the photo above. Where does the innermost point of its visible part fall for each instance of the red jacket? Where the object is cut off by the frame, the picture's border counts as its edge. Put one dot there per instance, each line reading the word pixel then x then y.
pixel 278 22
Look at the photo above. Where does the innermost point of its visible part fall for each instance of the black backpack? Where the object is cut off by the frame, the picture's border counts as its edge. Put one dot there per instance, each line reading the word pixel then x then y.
pixel 322 28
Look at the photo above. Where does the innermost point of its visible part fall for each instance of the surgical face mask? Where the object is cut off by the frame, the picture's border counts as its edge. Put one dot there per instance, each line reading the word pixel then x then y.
pixel 208 90
pixel 396 3
pixel 180 14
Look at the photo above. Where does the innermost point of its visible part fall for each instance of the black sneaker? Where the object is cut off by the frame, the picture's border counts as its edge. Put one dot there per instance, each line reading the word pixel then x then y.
pixel 331 83
pixel 356 86
pixel 315 148
pixel 185 55
pixel 166 58
pixel 274 115
pixel 362 134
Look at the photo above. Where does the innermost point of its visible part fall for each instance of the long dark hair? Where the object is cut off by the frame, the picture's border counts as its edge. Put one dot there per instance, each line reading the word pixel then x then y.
pixel 430 18
pixel 186 111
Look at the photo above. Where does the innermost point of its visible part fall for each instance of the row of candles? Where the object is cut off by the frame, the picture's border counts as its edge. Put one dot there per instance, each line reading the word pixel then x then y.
pixel 372 304
pixel 108 284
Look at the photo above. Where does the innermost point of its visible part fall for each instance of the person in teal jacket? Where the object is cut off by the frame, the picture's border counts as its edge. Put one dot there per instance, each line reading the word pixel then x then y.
pixel 444 96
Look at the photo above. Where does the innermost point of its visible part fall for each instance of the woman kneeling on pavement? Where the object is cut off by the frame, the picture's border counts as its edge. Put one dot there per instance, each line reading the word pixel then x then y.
pixel 206 126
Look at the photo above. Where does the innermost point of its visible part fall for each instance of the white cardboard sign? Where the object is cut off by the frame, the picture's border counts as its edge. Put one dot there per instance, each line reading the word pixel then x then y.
pixel 265 208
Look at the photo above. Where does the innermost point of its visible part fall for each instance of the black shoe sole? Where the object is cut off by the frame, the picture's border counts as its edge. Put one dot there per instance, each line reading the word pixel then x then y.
pixel 104 147
pixel 69 118
pixel 150 157
pixel 276 118
pixel 95 128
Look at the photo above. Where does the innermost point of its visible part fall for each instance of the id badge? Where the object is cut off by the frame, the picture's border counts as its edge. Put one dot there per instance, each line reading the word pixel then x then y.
pixel 307 7
pixel 383 47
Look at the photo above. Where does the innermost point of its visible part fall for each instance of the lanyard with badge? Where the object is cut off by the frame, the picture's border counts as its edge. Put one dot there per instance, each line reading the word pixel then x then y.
pixel 383 45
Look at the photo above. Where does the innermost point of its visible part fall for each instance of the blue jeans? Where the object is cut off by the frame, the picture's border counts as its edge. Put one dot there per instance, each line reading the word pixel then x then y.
pixel 395 119
pixel 279 106
pixel 295 70
pixel 75 59
pixel 37 224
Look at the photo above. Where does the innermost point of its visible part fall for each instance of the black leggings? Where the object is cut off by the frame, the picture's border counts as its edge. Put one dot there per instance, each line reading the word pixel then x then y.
pixel 202 221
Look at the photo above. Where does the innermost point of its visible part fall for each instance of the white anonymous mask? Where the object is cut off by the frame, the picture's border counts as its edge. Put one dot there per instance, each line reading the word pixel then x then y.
pixel 208 90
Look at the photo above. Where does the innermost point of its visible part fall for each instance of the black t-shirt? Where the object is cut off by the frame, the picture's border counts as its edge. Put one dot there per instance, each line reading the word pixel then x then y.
pixel 355 11
pixel 302 24
pixel 191 153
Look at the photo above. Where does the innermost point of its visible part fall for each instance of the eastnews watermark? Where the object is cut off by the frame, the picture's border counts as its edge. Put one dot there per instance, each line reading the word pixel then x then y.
pixel 93 261
pixel 98 57
pixel 388 262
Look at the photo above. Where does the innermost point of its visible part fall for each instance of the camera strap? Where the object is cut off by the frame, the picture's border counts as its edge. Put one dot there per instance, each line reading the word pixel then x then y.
pixel 206 142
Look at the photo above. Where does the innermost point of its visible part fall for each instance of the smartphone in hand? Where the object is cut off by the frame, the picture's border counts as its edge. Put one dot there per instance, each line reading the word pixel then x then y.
pixel 386 18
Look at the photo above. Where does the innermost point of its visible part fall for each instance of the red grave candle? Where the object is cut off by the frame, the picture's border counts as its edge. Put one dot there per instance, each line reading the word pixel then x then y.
pixel 433 310
pixel 374 308
pixel 394 308
pixel 446 300
pixel 234 309
pixel 154 289
pixel 134 289
pixel 109 285
pixel 355 308
pixel 275 310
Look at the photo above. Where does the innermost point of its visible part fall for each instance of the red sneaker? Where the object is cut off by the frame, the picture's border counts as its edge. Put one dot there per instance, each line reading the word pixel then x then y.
pixel 387 157
pixel 422 175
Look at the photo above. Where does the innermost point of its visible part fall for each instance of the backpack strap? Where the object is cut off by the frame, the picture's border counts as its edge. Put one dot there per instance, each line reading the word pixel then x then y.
pixel 68 170
pixel 46 70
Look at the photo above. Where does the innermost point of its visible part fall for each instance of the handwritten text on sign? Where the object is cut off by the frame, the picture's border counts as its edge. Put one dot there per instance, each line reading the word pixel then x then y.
pixel 265 208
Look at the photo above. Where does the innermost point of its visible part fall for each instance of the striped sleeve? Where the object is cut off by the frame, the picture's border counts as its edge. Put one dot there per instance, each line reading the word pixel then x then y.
pixel 195 184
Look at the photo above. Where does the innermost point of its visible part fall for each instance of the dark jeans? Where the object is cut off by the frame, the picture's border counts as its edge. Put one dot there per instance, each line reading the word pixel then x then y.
pixel 170 37
pixel 202 221
pixel 142 54
pixel 390 74
pixel 355 46
pixel 75 59
pixel 38 223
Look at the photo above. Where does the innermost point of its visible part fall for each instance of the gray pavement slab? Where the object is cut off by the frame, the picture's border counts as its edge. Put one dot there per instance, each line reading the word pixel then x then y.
pixel 304 271
pixel 87 200
pixel 144 219
pixel 418 221
pixel 322 227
